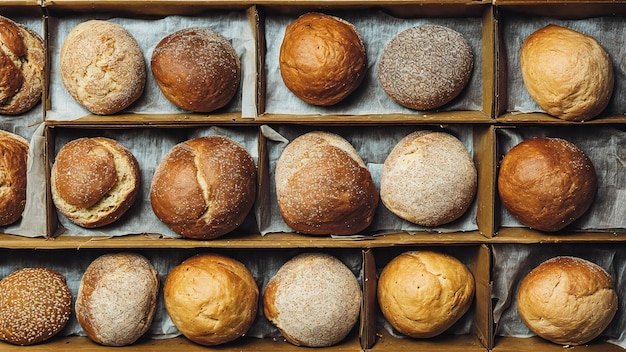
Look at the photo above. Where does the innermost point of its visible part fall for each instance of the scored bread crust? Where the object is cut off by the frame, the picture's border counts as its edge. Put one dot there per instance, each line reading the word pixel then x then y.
pixel 100 188
pixel 22 61
pixel 13 168
pixel 117 298
pixel 205 187
pixel 567 300
pixel 102 66
pixel 323 187
pixel 314 300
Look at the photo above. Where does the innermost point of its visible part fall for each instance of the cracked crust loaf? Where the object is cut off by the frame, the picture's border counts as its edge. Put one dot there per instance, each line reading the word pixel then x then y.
pixel 13 168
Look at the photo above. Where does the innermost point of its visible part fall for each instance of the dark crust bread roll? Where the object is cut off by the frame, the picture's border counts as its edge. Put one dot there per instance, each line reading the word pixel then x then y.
pixel 36 305
pixel 425 67
pixel 204 187
pixel 567 300
pixel 323 187
pixel 22 61
pixel 100 188
pixel 197 69
pixel 13 168
pixel 546 183
pixel 322 58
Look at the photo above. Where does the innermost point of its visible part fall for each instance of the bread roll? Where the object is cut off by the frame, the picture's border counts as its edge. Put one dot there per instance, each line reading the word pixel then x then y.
pixel 425 67
pixel 322 58
pixel 102 66
pixel 22 61
pixel 100 188
pixel 204 187
pixel 212 299
pixel 323 186
pixel 314 300
pixel 117 298
pixel 567 73
pixel 546 183
pixel 35 304
pixel 423 293
pixel 567 300
pixel 429 178
pixel 13 168
pixel 196 69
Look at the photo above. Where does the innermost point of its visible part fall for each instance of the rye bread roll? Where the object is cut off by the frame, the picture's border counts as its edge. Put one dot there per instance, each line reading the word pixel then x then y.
pixel 13 168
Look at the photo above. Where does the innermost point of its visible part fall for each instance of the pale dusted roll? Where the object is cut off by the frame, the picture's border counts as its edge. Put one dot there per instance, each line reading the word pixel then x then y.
pixel 35 305
pixel 13 168
pixel 323 187
pixel 423 293
pixel 322 58
pixel 102 66
pixel 314 300
pixel 212 299
pixel 567 300
pixel 429 178
pixel 117 298
pixel 94 181
pixel 567 73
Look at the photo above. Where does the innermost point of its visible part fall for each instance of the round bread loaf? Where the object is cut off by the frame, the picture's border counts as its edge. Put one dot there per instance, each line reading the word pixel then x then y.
pixel 102 66
pixel 205 187
pixel 322 58
pixel 35 304
pixel 429 178
pixel 567 300
pixel 196 69
pixel 323 186
pixel 117 298
pixel 100 188
pixel 546 183
pixel 314 300
pixel 22 59
pixel 212 299
pixel 13 169
pixel 423 293
pixel 567 73
pixel 425 67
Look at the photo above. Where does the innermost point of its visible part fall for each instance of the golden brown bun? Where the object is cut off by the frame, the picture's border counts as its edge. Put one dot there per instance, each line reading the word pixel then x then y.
pixel 567 300
pixel 100 188
pixel 212 299
pixel 102 66
pixel 323 186
pixel 429 178
pixel 197 69
pixel 22 59
pixel 117 298
pixel 13 165
pixel 567 73
pixel 322 59
pixel 546 183
pixel 36 305
pixel 425 67
pixel 204 187
pixel 314 300
pixel 423 293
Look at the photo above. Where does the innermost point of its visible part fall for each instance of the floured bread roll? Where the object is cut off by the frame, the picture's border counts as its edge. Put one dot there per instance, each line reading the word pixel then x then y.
pixel 323 186
pixel 567 73
pixel 314 300
pixel 102 66
pixel 567 300
pixel 423 293
pixel 13 168
pixel 22 59
pixel 429 178
pixel 204 187
pixel 322 58
pixel 94 181
pixel 117 298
